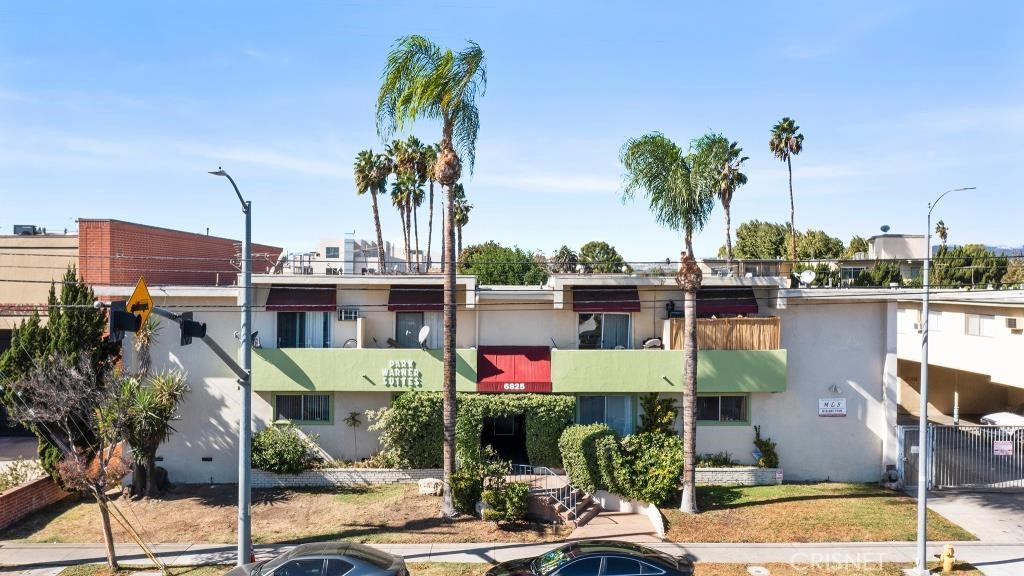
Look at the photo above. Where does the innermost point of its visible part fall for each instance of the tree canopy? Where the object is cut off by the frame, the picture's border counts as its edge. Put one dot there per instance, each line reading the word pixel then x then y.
pixel 598 257
pixel 493 263
pixel 758 240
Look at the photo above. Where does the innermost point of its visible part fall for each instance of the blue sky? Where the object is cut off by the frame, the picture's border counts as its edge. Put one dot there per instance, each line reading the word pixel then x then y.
pixel 118 110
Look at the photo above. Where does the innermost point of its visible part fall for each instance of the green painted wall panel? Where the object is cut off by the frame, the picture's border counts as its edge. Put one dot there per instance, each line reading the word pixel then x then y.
pixel 357 370
pixel 587 371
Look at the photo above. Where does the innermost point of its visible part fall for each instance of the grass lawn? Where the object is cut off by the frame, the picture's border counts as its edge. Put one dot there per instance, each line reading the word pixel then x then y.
pixel 391 513
pixel 830 512
pixel 102 570
pixel 453 569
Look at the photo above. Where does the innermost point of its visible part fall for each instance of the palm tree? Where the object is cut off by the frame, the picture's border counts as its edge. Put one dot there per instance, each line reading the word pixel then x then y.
pixel 462 210
pixel 371 172
pixel 659 170
pixel 403 167
pixel 786 142
pixel 429 161
pixel 150 409
pixel 564 261
pixel 719 160
pixel 143 340
pixel 419 167
pixel 941 231
pixel 422 80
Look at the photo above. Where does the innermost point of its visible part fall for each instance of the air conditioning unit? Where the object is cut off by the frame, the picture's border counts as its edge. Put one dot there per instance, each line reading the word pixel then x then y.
pixel 1013 325
pixel 918 326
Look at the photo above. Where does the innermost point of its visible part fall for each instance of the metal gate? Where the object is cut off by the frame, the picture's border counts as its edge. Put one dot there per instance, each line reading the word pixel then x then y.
pixel 978 457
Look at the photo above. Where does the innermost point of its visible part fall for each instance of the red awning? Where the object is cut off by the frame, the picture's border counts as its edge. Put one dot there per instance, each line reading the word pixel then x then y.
pixel 726 302
pixel 302 298
pixel 420 298
pixel 513 369
pixel 605 299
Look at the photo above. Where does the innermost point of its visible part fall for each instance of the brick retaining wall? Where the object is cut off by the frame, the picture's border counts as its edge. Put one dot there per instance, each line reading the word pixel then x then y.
pixel 332 477
pixel 738 476
pixel 23 500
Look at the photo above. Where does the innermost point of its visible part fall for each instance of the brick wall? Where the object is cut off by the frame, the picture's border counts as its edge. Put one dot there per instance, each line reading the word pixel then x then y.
pixel 738 476
pixel 112 252
pixel 23 500
pixel 341 477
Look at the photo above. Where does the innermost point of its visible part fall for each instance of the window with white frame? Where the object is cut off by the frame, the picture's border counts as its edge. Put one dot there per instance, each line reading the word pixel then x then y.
pixel 602 330
pixel 615 411
pixel 303 407
pixel 304 329
pixel 979 324
pixel 935 320
pixel 722 408
pixel 409 324
pixel 348 314
pixel 332 252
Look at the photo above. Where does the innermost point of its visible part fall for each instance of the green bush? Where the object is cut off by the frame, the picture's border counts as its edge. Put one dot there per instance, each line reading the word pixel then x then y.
pixel 609 463
pixel 411 429
pixel 578 445
pixel 467 486
pixel 769 457
pixel 284 450
pixel 19 472
pixel 657 414
pixel 716 460
pixel 508 504
pixel 650 466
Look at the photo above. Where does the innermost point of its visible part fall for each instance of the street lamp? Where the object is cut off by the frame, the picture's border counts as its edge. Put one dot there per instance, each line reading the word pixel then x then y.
pixel 922 439
pixel 245 419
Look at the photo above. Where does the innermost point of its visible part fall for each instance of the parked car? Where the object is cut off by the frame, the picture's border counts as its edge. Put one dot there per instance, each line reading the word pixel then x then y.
pixel 597 558
pixel 1013 417
pixel 327 559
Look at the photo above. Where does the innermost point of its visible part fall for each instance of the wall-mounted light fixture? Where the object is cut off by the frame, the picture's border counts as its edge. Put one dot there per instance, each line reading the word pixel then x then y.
pixel 834 389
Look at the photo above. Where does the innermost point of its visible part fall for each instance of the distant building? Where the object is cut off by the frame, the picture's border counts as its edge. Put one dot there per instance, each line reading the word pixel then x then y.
pixel 348 257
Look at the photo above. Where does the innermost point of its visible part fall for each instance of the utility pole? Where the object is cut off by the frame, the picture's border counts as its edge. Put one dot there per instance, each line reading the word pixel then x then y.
pixel 244 384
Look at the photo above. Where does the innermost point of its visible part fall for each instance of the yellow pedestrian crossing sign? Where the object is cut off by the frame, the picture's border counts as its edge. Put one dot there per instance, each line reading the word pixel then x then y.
pixel 140 303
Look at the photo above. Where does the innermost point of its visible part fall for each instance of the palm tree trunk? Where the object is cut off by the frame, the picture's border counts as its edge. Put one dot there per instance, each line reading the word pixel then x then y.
pixel 792 215
pixel 728 236
pixel 416 228
pixel 152 490
pixel 459 253
pixel 689 279
pixel 108 536
pixel 408 235
pixel 430 225
pixel 405 235
pixel 381 265
pixel 447 506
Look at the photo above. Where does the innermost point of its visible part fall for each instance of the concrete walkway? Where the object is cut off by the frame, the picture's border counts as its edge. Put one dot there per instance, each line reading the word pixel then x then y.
pixel 627 526
pixel 990 557
pixel 993 517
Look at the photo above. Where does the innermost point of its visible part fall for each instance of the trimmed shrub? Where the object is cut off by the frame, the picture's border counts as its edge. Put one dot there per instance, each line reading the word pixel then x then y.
pixel 657 414
pixel 650 467
pixel 578 445
pixel 609 463
pixel 411 430
pixel 508 504
pixel 284 450
pixel 467 487
pixel 769 457
pixel 716 460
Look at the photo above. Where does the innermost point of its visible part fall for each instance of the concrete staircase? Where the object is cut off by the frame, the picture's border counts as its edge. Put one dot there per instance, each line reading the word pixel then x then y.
pixel 572 505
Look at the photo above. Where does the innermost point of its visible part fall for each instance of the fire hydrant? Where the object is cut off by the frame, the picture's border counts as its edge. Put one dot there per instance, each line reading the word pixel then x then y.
pixel 947 558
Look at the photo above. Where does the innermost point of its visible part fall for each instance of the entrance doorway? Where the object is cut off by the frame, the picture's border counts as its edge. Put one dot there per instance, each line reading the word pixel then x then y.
pixel 507 435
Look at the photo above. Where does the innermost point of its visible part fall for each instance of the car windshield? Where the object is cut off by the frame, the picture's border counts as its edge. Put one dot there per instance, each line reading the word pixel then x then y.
pixel 548 563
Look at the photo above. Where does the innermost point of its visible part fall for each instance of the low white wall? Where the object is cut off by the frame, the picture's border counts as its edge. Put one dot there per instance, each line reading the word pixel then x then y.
pixel 341 477
pixel 738 476
pixel 615 503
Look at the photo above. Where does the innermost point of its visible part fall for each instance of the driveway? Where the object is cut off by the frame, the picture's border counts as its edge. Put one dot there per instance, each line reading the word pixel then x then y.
pixel 996 517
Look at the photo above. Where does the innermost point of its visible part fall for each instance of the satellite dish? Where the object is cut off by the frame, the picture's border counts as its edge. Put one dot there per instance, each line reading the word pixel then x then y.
pixel 424 333
pixel 807 276
pixel 885 228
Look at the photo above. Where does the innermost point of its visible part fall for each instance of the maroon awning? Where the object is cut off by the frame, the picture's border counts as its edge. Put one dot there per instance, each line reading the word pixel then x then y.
pixel 605 299
pixel 726 302
pixel 302 298
pixel 513 369
pixel 416 298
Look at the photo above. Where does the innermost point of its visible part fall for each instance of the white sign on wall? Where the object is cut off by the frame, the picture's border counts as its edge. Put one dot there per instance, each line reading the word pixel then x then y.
pixel 402 374
pixel 832 407
pixel 1002 448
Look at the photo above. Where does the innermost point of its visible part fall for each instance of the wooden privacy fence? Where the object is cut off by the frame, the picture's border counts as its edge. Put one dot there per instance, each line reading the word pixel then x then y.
pixel 752 333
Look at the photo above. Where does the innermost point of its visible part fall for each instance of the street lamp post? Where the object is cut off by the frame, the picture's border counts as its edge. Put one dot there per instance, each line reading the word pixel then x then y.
pixel 922 439
pixel 245 418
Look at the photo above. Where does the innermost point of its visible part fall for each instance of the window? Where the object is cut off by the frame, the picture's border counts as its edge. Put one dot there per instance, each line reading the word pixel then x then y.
pixel 348 314
pixel 615 566
pixel 332 252
pixel 409 324
pixel 304 329
pixel 721 408
pixel 303 407
pixel 337 567
pixel 615 411
pixel 849 274
pixel 603 331
pixel 311 567
pixel 333 271
pixel 935 320
pixel 980 324
pixel 504 425
pixel 584 567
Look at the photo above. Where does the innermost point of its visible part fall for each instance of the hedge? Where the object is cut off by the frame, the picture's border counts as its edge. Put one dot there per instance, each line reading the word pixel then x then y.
pixel 578 445
pixel 411 429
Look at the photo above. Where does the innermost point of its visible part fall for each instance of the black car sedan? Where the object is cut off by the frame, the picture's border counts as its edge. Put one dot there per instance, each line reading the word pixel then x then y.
pixel 597 558
pixel 327 559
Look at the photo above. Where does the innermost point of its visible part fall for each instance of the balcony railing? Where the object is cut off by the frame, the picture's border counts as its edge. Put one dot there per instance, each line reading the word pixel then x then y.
pixel 753 333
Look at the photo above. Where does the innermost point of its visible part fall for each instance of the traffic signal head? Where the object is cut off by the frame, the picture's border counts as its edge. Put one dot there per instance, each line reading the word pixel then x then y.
pixel 190 328
pixel 119 321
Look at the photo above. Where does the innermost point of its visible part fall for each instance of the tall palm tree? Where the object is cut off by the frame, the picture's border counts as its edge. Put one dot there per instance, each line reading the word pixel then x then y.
pixel 719 161
pixel 423 80
pixel 371 172
pixel 429 161
pixel 403 166
pixel 462 210
pixel 942 231
pixel 786 142
pixel 418 162
pixel 659 170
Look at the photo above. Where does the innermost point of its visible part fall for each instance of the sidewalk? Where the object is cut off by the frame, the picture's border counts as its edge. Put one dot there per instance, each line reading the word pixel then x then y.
pixel 991 557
